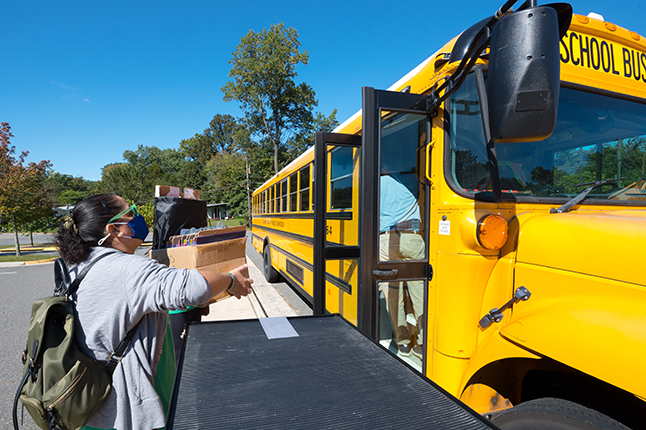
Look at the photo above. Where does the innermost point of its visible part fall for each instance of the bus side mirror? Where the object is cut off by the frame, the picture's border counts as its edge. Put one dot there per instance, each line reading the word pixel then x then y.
pixel 524 75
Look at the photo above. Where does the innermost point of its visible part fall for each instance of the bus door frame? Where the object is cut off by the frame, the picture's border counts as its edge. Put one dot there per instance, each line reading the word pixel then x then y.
pixel 322 252
pixel 371 271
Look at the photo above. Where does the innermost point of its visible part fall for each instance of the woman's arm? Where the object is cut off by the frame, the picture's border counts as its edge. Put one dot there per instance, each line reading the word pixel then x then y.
pixel 221 281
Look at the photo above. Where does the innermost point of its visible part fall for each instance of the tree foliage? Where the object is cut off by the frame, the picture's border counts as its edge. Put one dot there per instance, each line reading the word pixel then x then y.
pixel 263 73
pixel 218 138
pixel 65 189
pixel 227 182
pixel 23 198
pixel 135 178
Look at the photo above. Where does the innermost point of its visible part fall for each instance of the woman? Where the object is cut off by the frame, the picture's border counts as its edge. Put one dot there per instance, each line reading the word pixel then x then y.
pixel 119 291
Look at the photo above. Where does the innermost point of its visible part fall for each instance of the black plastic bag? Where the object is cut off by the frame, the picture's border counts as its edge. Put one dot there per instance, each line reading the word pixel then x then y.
pixel 173 214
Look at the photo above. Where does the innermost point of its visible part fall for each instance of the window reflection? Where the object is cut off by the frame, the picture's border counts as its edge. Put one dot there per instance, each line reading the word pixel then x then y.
pixel 401 230
pixel 341 178
pixel 596 137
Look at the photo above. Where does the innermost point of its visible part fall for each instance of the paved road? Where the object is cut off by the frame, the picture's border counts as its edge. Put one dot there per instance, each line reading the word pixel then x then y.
pixel 19 287
pixel 295 300
pixel 8 239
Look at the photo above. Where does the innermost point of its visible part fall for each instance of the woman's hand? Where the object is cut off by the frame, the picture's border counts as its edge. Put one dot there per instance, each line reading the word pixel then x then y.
pixel 242 285
pixel 220 281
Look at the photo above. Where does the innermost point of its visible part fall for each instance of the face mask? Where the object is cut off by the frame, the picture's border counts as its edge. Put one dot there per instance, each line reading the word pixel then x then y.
pixel 137 225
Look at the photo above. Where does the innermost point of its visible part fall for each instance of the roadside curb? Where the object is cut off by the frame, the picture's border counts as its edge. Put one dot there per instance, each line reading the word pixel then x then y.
pixel 46 260
pixel 27 263
pixel 27 249
pixel 12 264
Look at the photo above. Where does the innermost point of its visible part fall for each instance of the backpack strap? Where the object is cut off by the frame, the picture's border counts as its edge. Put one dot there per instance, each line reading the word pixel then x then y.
pixel 62 278
pixel 116 356
pixel 75 284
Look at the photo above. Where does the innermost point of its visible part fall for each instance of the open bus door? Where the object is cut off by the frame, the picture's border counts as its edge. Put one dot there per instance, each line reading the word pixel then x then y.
pixel 392 251
pixel 394 267
pixel 325 250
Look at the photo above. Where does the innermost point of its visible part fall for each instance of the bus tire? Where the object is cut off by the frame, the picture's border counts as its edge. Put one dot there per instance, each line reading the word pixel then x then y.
pixel 553 414
pixel 271 274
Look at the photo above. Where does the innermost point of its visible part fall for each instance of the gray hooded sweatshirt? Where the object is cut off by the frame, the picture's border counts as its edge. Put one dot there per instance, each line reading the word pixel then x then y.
pixel 117 292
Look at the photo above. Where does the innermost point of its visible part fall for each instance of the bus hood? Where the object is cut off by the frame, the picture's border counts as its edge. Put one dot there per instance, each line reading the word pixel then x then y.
pixel 609 245
pixel 586 310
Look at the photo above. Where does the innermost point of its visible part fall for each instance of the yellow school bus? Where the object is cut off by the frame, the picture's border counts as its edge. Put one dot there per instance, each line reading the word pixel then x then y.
pixel 483 219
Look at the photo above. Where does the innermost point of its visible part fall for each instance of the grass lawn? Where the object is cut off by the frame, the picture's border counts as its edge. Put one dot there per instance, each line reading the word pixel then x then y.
pixel 229 222
pixel 24 246
pixel 8 258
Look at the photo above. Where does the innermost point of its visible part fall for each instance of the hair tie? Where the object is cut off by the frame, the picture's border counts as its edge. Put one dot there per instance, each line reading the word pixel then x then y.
pixel 69 224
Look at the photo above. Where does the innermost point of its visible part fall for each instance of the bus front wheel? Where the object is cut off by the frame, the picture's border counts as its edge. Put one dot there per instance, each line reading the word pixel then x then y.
pixel 553 414
pixel 270 273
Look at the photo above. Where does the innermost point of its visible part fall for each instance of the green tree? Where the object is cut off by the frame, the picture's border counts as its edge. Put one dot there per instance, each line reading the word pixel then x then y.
pixel 148 212
pixel 192 175
pixel 47 221
pixel 71 197
pixel 263 76
pixel 65 189
pixel 142 169
pixel 227 182
pixel 219 137
pixel 119 179
pixel 305 138
pixel 23 197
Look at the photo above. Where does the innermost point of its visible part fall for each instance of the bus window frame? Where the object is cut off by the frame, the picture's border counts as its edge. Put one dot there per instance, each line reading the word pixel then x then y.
pixel 283 196
pixel 292 202
pixel 271 199
pixel 263 200
pixel 301 190
pixel 331 180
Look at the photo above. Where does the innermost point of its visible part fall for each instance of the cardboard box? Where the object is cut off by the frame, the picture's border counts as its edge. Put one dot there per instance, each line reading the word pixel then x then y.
pixel 164 190
pixel 219 257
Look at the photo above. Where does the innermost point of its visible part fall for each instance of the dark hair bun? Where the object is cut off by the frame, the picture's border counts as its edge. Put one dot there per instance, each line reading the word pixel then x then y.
pixel 76 238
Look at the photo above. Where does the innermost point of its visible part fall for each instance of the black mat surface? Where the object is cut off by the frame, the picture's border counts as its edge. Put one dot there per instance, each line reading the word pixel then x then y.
pixel 330 377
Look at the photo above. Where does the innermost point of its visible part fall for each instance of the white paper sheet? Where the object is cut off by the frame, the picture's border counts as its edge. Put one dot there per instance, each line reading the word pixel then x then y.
pixel 277 328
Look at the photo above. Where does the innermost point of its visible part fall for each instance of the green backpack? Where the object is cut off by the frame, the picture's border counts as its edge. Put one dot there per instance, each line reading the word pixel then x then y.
pixel 62 387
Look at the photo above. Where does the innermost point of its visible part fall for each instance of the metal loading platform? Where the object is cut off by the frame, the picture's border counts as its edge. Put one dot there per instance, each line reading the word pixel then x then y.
pixel 331 376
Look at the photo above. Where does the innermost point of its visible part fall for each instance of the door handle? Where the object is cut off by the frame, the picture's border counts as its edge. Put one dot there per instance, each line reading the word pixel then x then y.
pixel 429 147
pixel 385 273
pixel 495 315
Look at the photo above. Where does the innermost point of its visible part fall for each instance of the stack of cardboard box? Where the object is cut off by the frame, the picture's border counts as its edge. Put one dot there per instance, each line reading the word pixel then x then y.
pixel 219 250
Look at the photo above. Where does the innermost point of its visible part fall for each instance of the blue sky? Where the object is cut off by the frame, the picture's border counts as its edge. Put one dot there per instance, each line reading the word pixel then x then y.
pixel 83 81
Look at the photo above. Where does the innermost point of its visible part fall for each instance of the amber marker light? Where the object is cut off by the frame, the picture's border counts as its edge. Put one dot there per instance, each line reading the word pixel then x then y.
pixel 492 232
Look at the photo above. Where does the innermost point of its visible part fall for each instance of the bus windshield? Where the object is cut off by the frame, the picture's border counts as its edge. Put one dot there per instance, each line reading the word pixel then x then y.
pixel 597 137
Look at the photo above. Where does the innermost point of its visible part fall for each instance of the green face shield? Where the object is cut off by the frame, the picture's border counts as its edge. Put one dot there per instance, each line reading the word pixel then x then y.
pixel 131 208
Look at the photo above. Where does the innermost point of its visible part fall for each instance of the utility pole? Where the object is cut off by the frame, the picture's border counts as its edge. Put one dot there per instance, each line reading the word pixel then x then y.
pixel 246 162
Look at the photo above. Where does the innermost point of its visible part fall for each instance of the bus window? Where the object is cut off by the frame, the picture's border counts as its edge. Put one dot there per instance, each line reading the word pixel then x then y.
pixel 283 195
pixel 312 186
pixel 293 192
pixel 401 196
pixel 305 189
pixel 341 178
pixel 469 161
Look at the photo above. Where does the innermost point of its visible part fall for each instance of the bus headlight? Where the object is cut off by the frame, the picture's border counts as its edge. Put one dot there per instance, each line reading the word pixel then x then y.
pixel 492 231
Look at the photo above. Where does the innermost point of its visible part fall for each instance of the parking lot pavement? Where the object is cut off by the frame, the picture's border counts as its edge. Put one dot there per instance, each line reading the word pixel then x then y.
pixel 265 301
